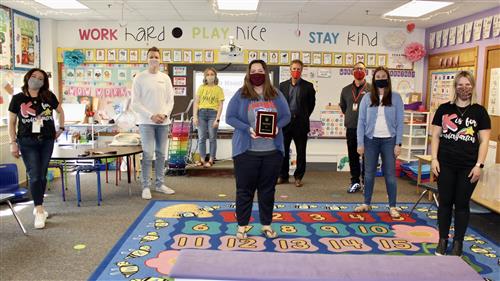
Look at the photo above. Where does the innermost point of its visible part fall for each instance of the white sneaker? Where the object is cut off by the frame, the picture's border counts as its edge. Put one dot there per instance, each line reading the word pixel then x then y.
pixel 39 220
pixel 165 189
pixel 44 212
pixel 146 193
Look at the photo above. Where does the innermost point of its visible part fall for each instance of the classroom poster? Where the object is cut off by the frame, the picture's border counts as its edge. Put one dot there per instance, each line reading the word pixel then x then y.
pixel 26 41
pixel 5 38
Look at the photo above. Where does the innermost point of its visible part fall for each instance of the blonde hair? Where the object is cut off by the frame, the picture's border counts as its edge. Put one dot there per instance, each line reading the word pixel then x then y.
pixel 472 81
pixel 205 72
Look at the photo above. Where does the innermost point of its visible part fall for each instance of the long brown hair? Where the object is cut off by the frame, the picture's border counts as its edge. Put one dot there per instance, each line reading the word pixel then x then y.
pixel 374 96
pixel 44 91
pixel 247 89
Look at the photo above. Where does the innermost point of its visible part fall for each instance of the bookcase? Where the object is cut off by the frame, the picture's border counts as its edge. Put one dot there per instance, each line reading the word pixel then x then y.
pixel 415 135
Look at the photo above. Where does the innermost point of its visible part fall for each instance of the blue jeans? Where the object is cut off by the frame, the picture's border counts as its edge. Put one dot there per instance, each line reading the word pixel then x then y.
pixel 154 140
pixel 206 119
pixel 373 148
pixel 36 155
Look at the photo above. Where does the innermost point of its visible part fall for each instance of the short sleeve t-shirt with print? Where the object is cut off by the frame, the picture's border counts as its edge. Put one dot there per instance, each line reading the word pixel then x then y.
pixel 260 144
pixel 209 97
pixel 459 140
pixel 28 109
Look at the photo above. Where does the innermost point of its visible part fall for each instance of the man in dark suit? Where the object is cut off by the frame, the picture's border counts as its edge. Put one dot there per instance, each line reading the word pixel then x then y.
pixel 301 98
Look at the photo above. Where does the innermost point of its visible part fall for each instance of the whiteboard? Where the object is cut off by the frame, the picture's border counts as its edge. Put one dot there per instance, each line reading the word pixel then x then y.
pixel 230 82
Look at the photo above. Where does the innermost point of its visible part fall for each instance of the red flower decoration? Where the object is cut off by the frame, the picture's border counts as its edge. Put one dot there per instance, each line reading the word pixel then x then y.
pixel 414 51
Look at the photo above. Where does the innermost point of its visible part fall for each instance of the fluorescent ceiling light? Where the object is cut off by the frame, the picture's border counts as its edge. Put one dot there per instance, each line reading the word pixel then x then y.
pixel 63 4
pixel 416 8
pixel 238 5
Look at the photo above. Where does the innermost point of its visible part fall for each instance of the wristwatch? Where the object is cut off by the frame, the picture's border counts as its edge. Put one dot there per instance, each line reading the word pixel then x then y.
pixel 480 165
pixel 61 128
pixel 218 120
pixel 399 144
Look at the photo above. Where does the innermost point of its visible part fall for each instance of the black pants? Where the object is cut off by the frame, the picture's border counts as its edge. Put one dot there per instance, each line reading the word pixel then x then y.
pixel 36 155
pixel 256 172
pixel 455 189
pixel 300 140
pixel 352 146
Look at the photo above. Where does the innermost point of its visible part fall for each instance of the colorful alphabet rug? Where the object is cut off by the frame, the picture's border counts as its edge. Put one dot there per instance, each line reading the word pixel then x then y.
pixel 148 250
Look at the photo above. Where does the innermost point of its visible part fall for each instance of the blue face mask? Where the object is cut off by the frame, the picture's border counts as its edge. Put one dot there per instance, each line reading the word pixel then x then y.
pixel 382 83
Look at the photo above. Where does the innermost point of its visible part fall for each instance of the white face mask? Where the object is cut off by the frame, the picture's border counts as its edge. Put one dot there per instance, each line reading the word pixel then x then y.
pixel 153 63
pixel 210 79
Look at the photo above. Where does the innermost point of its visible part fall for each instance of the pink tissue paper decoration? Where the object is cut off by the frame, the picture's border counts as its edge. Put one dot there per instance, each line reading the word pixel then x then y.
pixel 414 51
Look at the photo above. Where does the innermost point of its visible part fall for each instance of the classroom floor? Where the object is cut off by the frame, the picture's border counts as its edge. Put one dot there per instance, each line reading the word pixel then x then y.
pixel 49 254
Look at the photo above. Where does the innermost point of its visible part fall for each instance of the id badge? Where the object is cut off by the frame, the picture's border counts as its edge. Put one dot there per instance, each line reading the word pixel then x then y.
pixel 354 107
pixel 36 126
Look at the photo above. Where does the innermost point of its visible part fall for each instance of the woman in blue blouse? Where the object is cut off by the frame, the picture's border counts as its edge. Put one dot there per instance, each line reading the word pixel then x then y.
pixel 380 132
pixel 257 160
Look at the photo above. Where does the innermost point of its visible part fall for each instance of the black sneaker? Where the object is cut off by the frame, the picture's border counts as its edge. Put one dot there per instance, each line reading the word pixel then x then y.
pixel 354 187
pixel 456 248
pixel 441 247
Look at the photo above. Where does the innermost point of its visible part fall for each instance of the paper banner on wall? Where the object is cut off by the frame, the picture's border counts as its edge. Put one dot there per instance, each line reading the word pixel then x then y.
pixel 438 39
pixel 487 27
pixel 460 33
pixel 496 26
pixel 452 36
pixel 432 40
pixel 468 31
pixel 444 38
pixel 494 93
pixel 478 24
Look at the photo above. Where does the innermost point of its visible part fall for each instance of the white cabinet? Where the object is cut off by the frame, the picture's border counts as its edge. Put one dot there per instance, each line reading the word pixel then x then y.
pixel 415 135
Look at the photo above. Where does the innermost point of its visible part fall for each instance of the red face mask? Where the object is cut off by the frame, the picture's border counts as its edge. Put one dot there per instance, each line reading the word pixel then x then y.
pixel 257 79
pixel 359 74
pixel 296 74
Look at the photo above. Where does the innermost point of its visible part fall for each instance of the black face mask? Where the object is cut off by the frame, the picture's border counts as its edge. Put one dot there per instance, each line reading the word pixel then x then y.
pixel 383 83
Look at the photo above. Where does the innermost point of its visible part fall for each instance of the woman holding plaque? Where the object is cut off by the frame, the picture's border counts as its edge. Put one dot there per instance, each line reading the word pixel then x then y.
pixel 257 112
pixel 380 132
pixel 207 109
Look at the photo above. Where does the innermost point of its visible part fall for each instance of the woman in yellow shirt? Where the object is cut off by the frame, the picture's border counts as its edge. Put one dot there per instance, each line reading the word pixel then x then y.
pixel 206 114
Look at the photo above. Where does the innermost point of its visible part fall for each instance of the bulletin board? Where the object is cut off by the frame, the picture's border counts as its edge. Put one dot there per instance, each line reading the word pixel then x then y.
pixel 442 70
pixel 104 88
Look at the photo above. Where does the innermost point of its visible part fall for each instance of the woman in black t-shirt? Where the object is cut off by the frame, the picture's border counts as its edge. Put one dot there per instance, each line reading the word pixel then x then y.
pixel 30 113
pixel 460 138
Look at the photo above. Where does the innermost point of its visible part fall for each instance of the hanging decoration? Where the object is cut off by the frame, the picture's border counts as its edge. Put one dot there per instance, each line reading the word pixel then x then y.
pixel 414 51
pixel 410 27
pixel 297 31
pixel 74 58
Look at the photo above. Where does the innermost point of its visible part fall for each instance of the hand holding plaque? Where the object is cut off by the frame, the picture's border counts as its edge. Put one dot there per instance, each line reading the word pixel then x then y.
pixel 266 126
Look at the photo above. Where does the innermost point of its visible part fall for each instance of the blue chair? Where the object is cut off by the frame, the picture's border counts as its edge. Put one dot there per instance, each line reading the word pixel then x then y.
pixel 89 168
pixel 9 180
